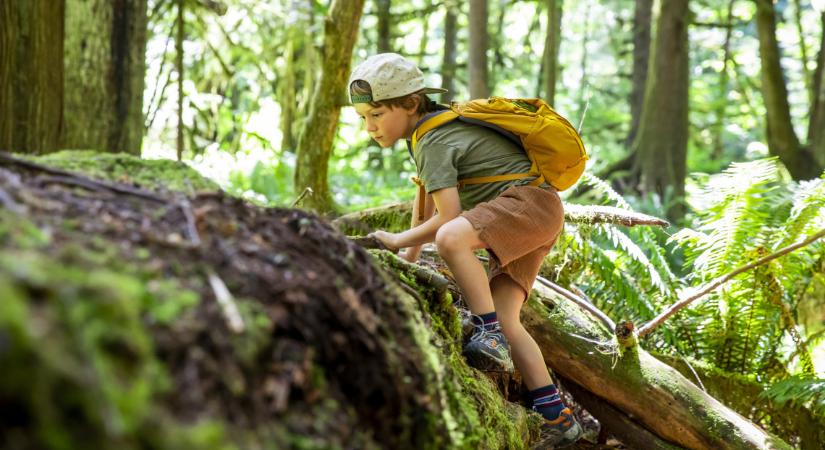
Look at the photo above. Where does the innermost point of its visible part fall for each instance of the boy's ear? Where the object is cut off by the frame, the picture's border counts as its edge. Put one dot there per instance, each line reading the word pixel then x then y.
pixel 415 102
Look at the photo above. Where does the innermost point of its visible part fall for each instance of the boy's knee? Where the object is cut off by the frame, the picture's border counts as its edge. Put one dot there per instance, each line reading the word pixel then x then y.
pixel 448 239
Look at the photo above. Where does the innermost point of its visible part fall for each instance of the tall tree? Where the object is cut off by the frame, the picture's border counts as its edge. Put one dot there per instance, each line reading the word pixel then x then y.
pixel 31 75
pixel 104 59
pixel 816 128
pixel 478 73
pixel 721 102
pixel 383 12
pixel 448 64
pixel 315 142
pixel 550 60
pixel 782 139
pixel 642 20
pixel 661 144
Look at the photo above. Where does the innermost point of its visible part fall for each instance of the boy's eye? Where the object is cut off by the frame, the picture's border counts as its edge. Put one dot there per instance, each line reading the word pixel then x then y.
pixel 376 115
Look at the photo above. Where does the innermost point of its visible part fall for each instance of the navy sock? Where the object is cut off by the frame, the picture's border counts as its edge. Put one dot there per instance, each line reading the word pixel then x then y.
pixel 547 402
pixel 490 321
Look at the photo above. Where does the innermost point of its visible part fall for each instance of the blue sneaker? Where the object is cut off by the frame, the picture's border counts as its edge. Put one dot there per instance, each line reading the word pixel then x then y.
pixel 561 432
pixel 488 350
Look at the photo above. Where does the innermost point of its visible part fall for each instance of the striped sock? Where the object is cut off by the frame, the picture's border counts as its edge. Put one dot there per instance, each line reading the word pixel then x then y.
pixel 490 321
pixel 547 402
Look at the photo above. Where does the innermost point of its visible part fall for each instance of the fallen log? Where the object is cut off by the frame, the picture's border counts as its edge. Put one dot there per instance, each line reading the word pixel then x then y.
pixel 653 394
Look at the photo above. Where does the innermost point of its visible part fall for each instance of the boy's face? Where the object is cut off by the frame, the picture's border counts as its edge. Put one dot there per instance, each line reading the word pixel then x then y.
pixel 387 124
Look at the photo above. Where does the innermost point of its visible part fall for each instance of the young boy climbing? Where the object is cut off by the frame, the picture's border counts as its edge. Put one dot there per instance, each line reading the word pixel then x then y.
pixel 516 220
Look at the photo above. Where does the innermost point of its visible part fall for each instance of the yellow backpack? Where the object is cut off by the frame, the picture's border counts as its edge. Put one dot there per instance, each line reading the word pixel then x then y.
pixel 551 142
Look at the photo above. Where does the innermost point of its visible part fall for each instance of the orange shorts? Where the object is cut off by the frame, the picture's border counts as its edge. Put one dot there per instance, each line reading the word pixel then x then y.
pixel 520 227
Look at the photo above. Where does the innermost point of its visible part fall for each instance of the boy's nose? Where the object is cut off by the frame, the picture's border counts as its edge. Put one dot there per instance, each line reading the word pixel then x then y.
pixel 371 126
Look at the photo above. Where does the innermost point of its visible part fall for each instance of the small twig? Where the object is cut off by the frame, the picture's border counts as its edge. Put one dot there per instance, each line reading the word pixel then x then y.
pixel 713 284
pixel 579 301
pixel 699 380
pixel 191 227
pixel 307 191
pixel 370 242
pixel 227 304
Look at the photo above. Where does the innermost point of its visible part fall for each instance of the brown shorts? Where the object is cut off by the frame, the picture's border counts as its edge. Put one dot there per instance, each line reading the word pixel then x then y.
pixel 520 227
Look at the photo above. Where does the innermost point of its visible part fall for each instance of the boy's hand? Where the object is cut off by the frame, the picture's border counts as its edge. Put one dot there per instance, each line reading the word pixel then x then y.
pixel 390 240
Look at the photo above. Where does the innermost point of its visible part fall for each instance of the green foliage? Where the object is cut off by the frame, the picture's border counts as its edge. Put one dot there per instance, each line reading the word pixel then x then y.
pixel 799 391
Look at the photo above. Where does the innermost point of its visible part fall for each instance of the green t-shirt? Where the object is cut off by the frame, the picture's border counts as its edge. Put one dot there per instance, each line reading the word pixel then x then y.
pixel 459 150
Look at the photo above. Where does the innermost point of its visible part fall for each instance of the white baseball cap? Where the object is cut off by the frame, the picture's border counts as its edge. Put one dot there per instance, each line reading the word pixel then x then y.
pixel 389 75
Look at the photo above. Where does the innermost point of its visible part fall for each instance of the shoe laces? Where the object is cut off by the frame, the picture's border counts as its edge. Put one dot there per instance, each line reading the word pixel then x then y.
pixel 482 332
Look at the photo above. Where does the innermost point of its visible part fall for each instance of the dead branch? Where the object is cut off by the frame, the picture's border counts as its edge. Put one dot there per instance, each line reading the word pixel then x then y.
pixel 713 284
pixel 228 306
pixel 609 214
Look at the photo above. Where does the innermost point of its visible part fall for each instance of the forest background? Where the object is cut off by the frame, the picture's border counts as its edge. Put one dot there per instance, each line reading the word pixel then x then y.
pixel 711 113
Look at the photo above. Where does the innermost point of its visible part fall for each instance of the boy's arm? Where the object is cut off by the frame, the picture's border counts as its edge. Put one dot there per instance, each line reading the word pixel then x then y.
pixel 412 253
pixel 447 203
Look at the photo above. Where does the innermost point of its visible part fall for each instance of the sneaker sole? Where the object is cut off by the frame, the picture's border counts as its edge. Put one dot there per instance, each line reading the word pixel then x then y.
pixel 569 438
pixel 487 363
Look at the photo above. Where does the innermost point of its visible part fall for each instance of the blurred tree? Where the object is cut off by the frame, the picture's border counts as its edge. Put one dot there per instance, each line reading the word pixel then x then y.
pixel 552 40
pixel 105 65
pixel 315 142
pixel 31 75
pixel 660 148
pixel 642 14
pixel 478 72
pixel 816 128
pixel 783 142
pixel 448 64
pixel 383 8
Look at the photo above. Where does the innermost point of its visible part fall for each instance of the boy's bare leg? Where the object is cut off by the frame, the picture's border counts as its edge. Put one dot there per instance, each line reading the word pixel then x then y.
pixel 508 297
pixel 456 240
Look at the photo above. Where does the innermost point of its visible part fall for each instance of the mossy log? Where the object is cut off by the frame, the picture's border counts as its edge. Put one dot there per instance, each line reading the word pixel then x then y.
pixel 653 394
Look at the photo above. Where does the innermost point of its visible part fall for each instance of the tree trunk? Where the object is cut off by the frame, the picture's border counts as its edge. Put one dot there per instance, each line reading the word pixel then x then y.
pixel 721 101
pixel 782 139
pixel 816 127
pixel 179 36
pixel 287 99
pixel 479 85
pixel 642 21
pixel 31 75
pixel 551 49
pixel 661 144
pixel 315 143
pixel 448 64
pixel 105 52
pixel 384 25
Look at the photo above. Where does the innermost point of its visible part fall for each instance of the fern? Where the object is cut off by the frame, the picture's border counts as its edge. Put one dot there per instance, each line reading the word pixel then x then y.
pixel 799 391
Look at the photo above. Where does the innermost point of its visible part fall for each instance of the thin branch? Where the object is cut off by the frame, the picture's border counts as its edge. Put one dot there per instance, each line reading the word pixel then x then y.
pixel 307 191
pixel 609 214
pixel 228 306
pixel 713 284
pixel 579 301
pixel 6 201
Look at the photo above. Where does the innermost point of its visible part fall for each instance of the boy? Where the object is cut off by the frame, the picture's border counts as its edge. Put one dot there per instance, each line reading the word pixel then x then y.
pixel 516 222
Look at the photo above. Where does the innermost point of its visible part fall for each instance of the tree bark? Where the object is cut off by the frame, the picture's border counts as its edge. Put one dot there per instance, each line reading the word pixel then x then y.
pixel 105 52
pixel 661 144
pixel 816 127
pixel 782 139
pixel 551 49
pixel 315 142
pixel 642 21
pixel 448 64
pixel 720 115
pixel 478 73
pixel 384 25
pixel 31 75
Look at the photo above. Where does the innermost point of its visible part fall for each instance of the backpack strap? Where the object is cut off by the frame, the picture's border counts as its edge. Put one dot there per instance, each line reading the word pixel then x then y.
pixel 430 122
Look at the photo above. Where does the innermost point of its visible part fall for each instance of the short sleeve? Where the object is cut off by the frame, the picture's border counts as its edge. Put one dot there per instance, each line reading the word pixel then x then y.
pixel 437 165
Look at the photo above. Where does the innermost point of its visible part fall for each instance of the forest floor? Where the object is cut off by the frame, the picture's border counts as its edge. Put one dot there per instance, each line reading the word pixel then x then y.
pixel 318 353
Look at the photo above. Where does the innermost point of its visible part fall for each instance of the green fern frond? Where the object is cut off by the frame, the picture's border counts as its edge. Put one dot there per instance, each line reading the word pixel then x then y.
pixel 799 391
pixel 604 188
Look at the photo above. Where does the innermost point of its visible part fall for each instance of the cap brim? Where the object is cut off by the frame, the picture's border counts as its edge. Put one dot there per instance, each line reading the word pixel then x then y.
pixel 433 91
